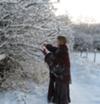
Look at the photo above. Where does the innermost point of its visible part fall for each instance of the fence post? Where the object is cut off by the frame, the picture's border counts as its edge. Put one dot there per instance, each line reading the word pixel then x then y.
pixel 81 52
pixel 86 52
pixel 95 51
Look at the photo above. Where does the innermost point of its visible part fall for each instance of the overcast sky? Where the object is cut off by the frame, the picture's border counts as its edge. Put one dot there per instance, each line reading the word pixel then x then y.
pixel 80 10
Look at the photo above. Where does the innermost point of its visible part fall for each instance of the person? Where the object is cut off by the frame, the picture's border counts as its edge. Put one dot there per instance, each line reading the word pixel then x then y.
pixel 60 71
pixel 49 59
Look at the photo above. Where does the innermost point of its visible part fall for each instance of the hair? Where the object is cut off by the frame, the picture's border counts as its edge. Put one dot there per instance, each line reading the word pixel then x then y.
pixel 62 40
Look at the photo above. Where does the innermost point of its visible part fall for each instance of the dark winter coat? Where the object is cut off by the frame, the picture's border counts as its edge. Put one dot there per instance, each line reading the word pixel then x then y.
pixel 60 77
pixel 61 58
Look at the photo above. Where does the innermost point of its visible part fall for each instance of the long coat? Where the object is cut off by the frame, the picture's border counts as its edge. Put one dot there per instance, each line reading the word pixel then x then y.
pixel 62 80
pixel 62 58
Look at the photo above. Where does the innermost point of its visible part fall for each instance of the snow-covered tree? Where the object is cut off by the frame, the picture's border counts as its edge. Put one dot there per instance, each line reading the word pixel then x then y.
pixel 87 36
pixel 24 26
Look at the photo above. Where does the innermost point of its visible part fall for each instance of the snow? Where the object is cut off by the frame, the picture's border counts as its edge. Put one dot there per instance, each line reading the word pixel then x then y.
pixel 2 56
pixel 90 57
pixel 85 86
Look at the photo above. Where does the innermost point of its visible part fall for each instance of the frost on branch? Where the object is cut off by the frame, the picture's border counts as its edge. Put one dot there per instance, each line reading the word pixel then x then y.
pixel 24 26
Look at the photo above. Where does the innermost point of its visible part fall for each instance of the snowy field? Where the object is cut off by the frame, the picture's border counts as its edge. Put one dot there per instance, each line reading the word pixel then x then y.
pixel 86 81
pixel 91 57
pixel 85 87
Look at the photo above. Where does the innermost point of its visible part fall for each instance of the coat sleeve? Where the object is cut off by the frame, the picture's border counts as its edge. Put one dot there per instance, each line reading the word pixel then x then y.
pixel 51 48
pixel 47 57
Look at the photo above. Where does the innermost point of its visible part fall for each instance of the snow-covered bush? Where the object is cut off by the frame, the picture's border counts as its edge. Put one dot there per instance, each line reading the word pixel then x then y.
pixel 24 26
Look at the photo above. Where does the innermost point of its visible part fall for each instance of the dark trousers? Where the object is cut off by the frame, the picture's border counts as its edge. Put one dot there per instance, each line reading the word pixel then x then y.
pixel 68 93
pixel 51 89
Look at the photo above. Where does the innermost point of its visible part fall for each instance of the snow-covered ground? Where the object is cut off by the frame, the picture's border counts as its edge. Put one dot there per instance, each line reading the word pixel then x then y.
pixel 85 88
pixel 86 81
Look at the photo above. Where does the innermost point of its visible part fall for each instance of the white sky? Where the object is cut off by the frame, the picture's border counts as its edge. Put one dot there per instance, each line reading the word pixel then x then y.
pixel 80 10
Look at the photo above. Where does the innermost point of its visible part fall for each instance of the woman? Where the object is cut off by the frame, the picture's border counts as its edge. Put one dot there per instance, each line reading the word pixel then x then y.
pixel 49 59
pixel 61 71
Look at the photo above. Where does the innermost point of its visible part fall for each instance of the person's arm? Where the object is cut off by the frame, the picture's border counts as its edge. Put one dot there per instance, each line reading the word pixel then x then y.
pixel 51 48
pixel 45 51
pixel 47 58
